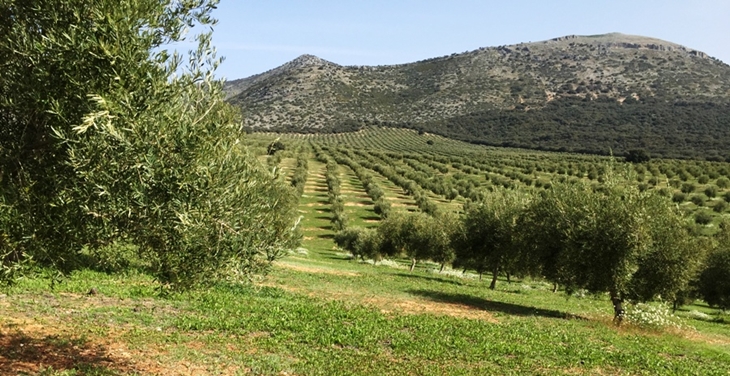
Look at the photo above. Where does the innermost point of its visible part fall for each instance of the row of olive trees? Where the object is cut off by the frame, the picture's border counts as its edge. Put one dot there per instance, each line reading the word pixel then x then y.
pixel 424 203
pixel 417 236
pixel 337 205
pixel 106 135
pixel 618 239
pixel 299 177
pixel 381 205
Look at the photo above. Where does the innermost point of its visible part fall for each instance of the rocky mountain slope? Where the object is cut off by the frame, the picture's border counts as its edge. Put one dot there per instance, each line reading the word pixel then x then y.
pixel 485 94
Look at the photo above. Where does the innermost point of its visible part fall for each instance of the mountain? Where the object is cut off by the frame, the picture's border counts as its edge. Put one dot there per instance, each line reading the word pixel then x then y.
pixel 595 94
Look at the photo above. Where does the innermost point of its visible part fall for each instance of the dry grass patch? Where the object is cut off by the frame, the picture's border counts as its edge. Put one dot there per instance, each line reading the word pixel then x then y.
pixel 316 270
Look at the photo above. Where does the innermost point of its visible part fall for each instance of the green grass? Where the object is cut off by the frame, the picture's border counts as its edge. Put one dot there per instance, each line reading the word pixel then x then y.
pixel 322 326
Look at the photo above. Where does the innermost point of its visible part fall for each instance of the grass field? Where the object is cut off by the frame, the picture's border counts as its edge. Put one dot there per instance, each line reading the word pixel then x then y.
pixel 320 313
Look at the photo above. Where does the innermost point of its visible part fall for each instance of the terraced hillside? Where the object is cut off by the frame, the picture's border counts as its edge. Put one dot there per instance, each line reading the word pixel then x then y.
pixel 417 171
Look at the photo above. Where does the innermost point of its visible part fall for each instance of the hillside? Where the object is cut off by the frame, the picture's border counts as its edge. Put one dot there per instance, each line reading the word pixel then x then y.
pixel 581 93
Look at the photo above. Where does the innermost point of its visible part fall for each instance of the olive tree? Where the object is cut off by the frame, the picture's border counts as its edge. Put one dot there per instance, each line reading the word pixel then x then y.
pixel 361 242
pixel 615 239
pixel 417 236
pixel 488 238
pixel 107 135
pixel 714 280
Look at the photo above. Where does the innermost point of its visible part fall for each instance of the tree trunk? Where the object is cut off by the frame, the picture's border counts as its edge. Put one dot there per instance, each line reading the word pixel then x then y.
pixel 555 287
pixel 495 273
pixel 480 275
pixel 413 264
pixel 618 309
pixel 509 277
pixel 442 268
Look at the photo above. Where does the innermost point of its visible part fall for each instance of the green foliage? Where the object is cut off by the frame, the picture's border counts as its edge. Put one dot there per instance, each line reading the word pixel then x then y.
pixel 299 177
pixel 108 136
pixel 417 236
pixel 637 156
pixel 382 207
pixel 719 206
pixel 337 206
pixel 698 200
pixel 275 147
pixel 116 257
pixel 618 239
pixel 714 282
pixel 702 217
pixel 488 238
pixel 688 187
pixel 361 242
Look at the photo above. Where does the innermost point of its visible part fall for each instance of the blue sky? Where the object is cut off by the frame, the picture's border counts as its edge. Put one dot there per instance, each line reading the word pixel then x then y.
pixel 259 35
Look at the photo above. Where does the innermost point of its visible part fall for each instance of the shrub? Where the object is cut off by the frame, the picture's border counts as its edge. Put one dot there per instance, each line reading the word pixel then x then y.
pixel 679 197
pixel 688 188
pixel 711 191
pixel 665 192
pixel 698 200
pixel 722 182
pixel 719 206
pixel 703 217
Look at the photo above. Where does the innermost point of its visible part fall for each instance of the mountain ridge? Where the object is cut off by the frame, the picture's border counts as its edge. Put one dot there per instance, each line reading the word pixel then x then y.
pixel 312 94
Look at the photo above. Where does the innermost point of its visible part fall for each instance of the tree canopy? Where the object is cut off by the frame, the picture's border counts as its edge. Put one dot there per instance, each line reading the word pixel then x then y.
pixel 107 135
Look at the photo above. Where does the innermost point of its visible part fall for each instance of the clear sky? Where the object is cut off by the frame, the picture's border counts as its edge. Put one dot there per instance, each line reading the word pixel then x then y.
pixel 258 35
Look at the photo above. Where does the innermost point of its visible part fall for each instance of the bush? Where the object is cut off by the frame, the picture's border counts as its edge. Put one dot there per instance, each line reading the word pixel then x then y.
pixel 688 188
pixel 719 206
pixel 382 207
pixel 703 218
pixel 665 192
pixel 698 200
pixel 722 182
pixel 679 197
pixel 711 191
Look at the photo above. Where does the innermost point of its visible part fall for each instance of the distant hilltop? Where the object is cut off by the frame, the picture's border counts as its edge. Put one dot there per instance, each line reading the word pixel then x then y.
pixel 446 94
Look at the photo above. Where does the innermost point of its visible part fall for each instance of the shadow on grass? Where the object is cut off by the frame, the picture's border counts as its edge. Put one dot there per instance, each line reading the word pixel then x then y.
pixel 24 354
pixel 489 305
pixel 326 236
pixel 427 278
pixel 327 217
pixel 371 218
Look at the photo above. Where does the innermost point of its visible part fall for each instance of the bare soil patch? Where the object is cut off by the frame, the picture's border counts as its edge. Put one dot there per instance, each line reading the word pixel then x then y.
pixel 360 204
